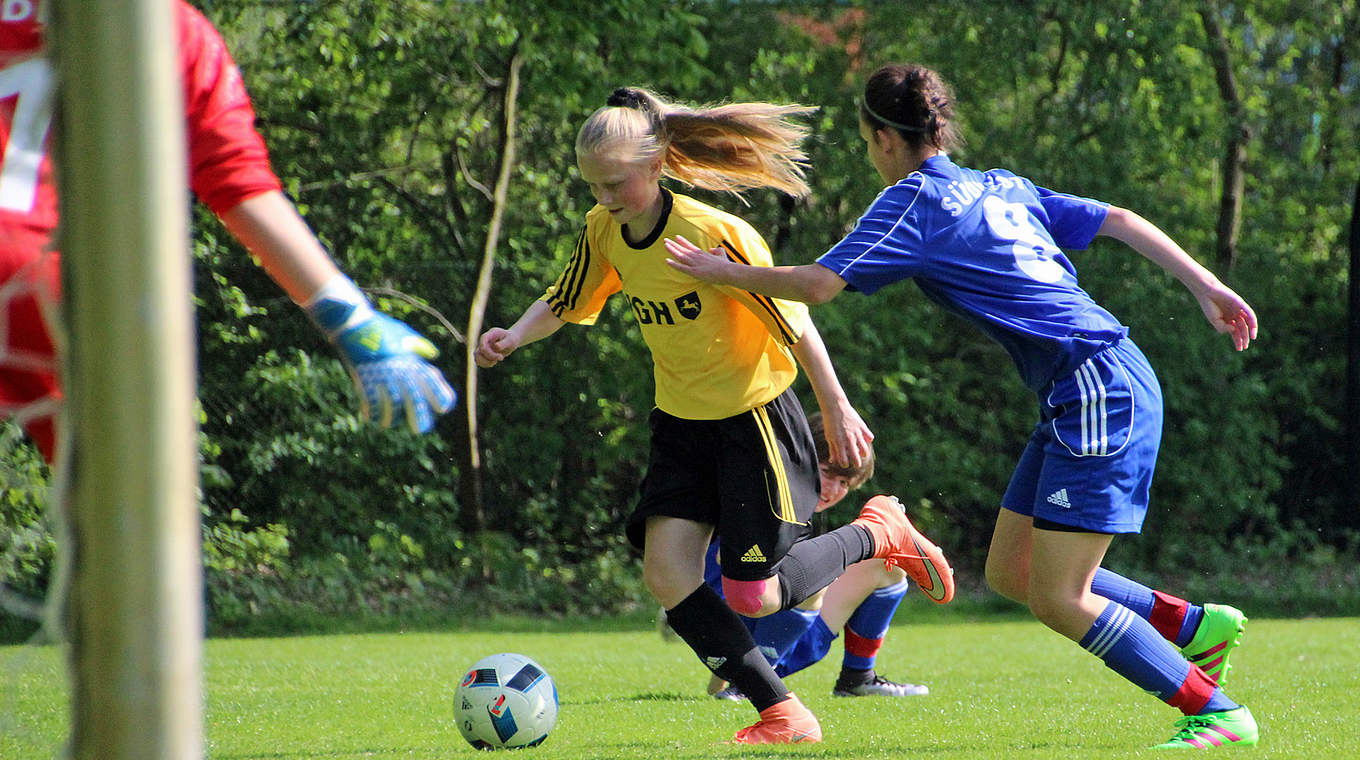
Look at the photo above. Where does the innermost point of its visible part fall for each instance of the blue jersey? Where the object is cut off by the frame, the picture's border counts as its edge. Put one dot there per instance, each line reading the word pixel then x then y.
pixel 986 246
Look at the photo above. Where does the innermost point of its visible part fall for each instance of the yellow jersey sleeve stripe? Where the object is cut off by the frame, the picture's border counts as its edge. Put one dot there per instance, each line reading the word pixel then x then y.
pixel 571 282
pixel 784 508
pixel 765 302
pixel 582 256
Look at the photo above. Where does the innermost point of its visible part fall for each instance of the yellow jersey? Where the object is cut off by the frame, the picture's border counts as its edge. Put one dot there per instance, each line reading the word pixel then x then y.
pixel 717 351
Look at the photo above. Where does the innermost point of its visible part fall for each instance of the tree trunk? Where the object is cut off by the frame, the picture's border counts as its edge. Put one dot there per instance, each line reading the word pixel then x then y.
pixel 783 230
pixel 1238 135
pixel 1353 343
pixel 470 484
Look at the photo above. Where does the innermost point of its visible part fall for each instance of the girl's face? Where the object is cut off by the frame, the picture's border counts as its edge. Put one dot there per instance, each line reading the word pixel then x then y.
pixel 884 162
pixel 628 189
pixel 834 488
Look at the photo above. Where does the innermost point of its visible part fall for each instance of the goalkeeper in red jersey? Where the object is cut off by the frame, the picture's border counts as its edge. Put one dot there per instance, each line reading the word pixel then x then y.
pixel 229 171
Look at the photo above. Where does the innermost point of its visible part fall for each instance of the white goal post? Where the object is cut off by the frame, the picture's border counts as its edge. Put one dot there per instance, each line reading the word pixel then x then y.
pixel 135 611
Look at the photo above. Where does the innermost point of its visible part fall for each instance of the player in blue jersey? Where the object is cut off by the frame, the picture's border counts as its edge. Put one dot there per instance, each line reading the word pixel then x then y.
pixel 986 246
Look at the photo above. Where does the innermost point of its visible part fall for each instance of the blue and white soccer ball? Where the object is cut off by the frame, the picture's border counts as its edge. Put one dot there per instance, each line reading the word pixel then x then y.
pixel 505 701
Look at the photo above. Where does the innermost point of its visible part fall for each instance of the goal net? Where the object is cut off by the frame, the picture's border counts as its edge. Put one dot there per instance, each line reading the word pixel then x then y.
pixel 125 596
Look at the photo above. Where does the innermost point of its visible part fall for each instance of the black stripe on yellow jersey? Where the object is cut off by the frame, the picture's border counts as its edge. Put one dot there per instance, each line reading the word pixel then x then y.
pixel 766 302
pixel 571 279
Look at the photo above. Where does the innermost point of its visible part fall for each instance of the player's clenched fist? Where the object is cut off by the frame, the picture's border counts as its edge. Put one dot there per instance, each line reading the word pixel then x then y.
pixel 537 323
pixel 495 344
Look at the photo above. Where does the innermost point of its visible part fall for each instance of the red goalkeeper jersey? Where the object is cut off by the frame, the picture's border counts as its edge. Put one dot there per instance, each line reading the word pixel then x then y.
pixel 227 159
pixel 227 164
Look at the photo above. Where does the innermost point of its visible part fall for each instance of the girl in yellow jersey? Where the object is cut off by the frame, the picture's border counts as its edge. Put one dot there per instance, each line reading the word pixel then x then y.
pixel 731 451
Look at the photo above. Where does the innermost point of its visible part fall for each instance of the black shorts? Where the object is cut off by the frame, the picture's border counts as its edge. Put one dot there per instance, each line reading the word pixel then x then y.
pixel 754 477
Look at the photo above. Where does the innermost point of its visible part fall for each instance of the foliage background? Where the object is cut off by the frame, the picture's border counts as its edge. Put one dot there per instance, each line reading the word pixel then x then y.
pixel 386 121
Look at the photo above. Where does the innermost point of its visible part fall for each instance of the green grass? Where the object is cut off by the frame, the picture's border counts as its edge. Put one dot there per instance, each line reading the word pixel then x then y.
pixel 1001 688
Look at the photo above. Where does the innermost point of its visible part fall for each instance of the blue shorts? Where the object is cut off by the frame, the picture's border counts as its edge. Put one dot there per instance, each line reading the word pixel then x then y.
pixel 1089 462
pixel 713 570
pixel 809 650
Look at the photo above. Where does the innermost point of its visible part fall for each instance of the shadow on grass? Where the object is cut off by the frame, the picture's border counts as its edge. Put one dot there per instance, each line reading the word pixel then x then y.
pixel 967 607
pixel 649 696
pixel 379 752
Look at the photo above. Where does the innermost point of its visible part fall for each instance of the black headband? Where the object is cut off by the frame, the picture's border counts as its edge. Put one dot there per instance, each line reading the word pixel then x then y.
pixel 626 97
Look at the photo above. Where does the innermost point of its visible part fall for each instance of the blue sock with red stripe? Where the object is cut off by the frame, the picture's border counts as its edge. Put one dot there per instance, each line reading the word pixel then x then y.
pixel 867 626
pixel 776 634
pixel 1131 647
pixel 1173 617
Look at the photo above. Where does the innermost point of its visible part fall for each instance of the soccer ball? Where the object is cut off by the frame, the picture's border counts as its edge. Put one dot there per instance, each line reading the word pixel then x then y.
pixel 505 701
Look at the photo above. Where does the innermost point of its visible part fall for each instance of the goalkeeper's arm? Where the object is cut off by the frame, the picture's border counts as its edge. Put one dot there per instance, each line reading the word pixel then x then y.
pixel 387 359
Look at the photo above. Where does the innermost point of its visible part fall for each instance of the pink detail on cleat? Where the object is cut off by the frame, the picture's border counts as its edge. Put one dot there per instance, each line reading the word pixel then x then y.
pixel 1230 736
pixel 1214 650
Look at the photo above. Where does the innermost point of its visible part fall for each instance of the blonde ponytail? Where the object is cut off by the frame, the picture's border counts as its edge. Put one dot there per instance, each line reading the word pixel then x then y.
pixel 728 148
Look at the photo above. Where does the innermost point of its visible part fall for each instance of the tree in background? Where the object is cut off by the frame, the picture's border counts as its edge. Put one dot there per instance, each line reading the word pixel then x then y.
pixel 408 122
pixel 395 112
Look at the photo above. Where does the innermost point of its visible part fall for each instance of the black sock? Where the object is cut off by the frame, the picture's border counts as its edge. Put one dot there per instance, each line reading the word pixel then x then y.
pixel 723 644
pixel 852 677
pixel 812 565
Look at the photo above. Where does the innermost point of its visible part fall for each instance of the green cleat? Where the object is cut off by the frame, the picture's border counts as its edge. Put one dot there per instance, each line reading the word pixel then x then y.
pixel 1219 729
pixel 1219 633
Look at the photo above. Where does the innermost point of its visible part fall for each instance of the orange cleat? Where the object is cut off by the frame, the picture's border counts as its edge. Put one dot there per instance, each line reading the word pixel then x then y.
pixel 898 542
pixel 787 722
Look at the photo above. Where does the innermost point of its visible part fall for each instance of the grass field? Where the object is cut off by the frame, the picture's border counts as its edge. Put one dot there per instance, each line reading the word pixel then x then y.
pixel 1001 688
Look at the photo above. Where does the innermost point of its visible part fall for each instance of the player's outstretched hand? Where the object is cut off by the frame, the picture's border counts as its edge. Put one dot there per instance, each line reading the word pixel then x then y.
pixel 1229 314
pixel 388 360
pixel 494 345
pixel 706 266
pixel 847 435
pixel 389 363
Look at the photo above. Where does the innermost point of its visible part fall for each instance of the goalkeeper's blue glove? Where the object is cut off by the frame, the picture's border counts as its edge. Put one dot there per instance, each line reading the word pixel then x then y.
pixel 386 358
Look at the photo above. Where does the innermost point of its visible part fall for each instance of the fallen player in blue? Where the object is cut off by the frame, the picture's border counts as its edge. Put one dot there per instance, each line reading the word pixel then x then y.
pixel 860 603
